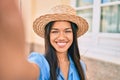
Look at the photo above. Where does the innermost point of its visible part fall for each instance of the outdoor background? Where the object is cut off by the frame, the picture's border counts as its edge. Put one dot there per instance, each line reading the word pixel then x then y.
pixel 99 47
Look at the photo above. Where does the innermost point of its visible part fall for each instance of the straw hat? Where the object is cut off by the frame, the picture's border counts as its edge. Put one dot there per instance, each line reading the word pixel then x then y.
pixel 60 12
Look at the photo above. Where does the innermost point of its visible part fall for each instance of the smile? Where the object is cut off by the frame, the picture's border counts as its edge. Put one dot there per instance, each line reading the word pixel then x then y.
pixel 61 44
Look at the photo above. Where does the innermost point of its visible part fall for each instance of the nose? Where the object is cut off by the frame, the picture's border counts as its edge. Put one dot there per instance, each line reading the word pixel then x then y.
pixel 61 36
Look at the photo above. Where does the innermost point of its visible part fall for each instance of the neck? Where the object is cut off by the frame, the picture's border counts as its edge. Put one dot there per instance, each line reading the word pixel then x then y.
pixel 62 57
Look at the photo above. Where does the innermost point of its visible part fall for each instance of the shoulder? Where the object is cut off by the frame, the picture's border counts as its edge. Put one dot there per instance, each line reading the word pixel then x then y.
pixel 36 57
pixel 40 60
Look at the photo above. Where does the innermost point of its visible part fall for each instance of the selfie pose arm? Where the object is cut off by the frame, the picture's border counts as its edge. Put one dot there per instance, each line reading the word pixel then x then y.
pixel 13 61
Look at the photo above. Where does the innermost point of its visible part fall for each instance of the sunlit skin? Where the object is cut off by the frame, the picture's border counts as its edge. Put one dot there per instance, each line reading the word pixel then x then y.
pixel 61 38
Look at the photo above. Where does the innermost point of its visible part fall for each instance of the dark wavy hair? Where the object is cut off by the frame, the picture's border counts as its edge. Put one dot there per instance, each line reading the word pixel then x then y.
pixel 73 51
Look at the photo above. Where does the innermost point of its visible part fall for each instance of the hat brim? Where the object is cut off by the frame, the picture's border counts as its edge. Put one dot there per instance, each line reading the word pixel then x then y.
pixel 40 23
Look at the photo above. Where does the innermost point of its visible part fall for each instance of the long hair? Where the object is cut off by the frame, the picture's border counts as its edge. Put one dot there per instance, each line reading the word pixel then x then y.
pixel 73 51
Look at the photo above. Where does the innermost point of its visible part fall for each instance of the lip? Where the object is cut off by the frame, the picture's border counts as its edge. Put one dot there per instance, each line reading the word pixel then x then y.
pixel 61 44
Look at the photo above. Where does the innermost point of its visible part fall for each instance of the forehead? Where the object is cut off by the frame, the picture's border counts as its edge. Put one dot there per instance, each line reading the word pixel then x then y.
pixel 61 24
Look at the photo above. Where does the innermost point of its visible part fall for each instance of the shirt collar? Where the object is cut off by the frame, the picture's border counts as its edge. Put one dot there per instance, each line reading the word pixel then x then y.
pixel 70 72
pixel 70 67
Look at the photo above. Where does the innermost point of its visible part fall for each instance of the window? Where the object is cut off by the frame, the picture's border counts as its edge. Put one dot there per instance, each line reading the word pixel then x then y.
pixel 83 2
pixel 105 1
pixel 110 19
pixel 106 18
pixel 87 14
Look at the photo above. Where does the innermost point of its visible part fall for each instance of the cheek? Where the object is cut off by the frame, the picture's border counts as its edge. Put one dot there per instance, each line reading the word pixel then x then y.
pixel 70 37
pixel 71 40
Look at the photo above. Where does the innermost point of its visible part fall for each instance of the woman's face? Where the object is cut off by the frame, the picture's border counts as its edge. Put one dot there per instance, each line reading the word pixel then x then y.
pixel 61 36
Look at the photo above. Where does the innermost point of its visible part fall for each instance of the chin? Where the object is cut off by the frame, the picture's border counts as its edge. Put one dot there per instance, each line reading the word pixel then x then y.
pixel 61 51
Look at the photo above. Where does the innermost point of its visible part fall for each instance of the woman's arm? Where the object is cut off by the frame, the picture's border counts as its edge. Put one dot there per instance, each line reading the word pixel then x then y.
pixel 13 61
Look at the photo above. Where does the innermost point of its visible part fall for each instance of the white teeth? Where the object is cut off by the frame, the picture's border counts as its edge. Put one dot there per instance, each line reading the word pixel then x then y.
pixel 61 44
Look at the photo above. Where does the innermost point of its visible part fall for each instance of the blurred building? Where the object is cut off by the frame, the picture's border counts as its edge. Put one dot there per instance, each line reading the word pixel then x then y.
pixel 102 41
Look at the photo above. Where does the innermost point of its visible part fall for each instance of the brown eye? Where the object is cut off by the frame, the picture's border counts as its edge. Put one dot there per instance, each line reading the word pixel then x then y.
pixel 68 31
pixel 54 31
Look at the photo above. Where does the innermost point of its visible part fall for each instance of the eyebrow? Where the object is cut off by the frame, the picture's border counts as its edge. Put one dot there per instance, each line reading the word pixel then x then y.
pixel 68 28
pixel 54 29
pixel 58 29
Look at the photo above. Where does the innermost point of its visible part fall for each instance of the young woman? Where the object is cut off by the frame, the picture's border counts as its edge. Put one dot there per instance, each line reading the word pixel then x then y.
pixel 60 28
